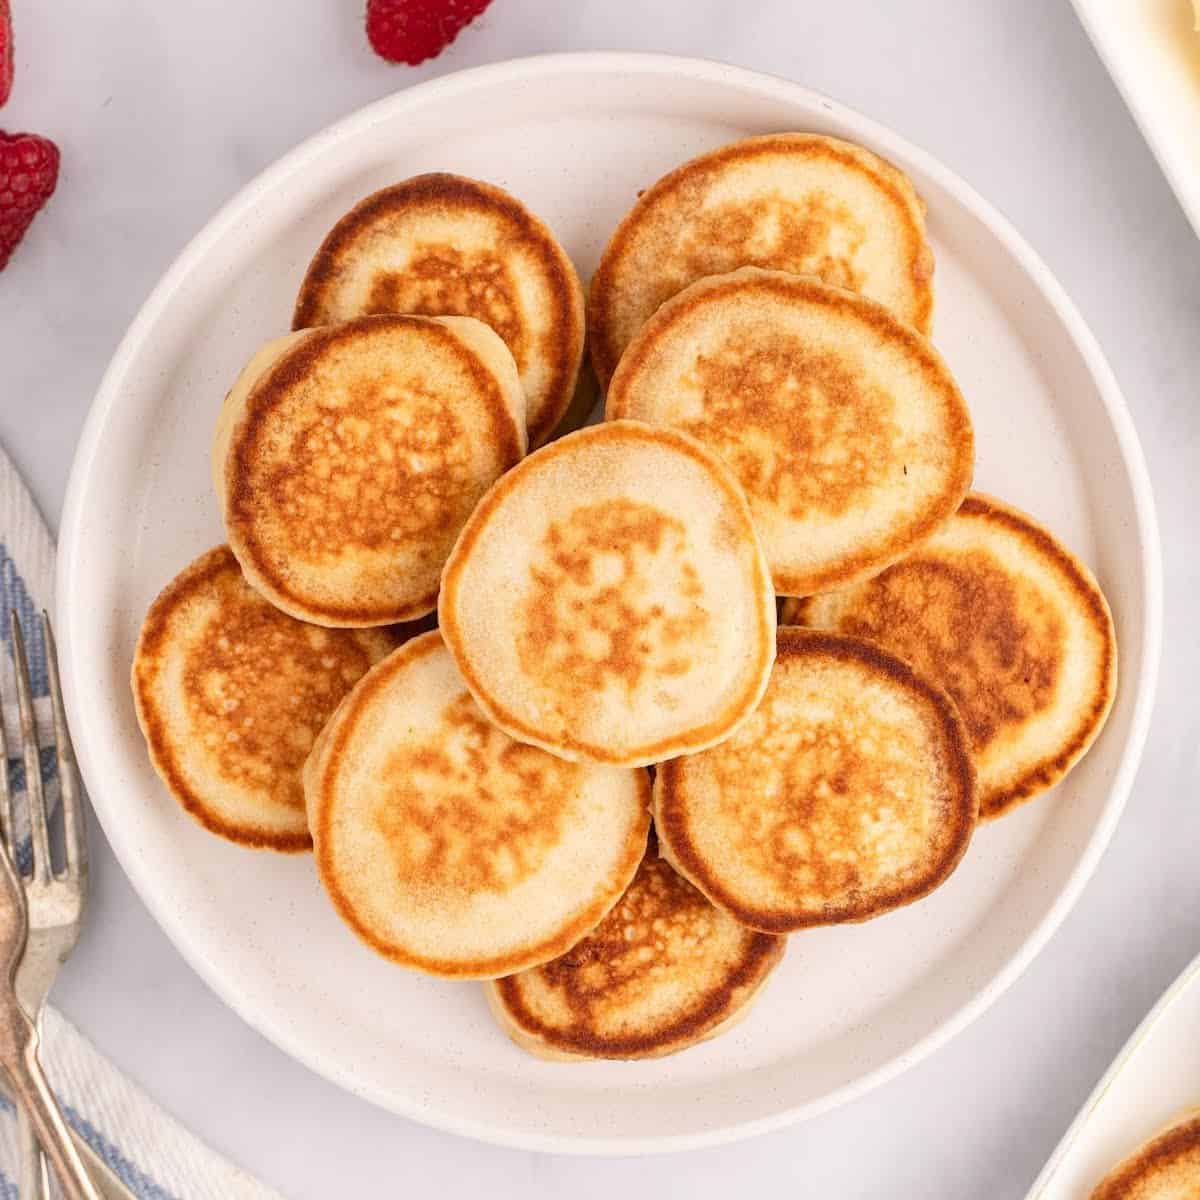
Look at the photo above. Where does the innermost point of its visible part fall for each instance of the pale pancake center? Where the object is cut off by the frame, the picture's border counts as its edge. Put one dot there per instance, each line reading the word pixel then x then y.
pixel 811 234
pixel 441 279
pixel 614 601
pixel 472 810
pixel 451 847
pixel 806 432
pixel 822 797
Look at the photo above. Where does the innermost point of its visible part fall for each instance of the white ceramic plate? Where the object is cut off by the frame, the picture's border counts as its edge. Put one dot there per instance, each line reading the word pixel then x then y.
pixel 1152 50
pixel 1154 1079
pixel 576 137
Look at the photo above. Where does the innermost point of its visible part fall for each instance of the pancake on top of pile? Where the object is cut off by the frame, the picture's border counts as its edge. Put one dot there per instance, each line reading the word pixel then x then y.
pixel 443 245
pixel 448 847
pixel 1167 1167
pixel 795 202
pixel 1014 627
pixel 231 694
pixel 608 599
pixel 664 970
pixel 348 457
pixel 849 792
pixel 843 425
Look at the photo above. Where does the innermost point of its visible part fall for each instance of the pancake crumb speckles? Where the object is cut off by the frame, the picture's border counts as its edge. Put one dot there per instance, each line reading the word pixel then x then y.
pixel 598 613
pixel 475 810
pixel 663 970
pixel 441 279
pixel 231 694
pixel 803 431
pixel 995 611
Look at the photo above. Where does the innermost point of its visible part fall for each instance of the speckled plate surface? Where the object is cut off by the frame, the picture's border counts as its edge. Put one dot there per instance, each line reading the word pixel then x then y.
pixel 576 137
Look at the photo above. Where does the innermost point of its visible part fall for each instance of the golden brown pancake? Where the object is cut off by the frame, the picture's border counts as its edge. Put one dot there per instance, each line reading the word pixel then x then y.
pixel 664 970
pixel 608 600
pixel 444 245
pixel 1015 628
pixel 448 847
pixel 848 793
pixel 844 426
pixel 230 695
pixel 794 202
pixel 348 457
pixel 1165 1168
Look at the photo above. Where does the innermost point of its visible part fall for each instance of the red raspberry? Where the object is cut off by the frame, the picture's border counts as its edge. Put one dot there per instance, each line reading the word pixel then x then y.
pixel 28 174
pixel 410 31
pixel 6 52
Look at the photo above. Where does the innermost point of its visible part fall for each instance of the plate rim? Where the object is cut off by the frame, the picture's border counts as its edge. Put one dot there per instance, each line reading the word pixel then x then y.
pixel 512 71
pixel 1113 1072
pixel 1144 112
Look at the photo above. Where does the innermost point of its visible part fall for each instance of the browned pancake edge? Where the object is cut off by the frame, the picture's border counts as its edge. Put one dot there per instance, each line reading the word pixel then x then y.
pixel 882 324
pixel 716 1003
pixel 692 862
pixel 448 193
pixel 241 497
pixel 339 734
pixel 1050 770
pixel 602 298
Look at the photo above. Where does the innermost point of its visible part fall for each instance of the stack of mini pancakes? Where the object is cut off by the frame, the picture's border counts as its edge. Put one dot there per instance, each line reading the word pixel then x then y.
pixel 447 635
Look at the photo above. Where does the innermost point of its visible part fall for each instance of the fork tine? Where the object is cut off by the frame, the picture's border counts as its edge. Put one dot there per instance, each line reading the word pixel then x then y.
pixel 6 808
pixel 34 792
pixel 68 771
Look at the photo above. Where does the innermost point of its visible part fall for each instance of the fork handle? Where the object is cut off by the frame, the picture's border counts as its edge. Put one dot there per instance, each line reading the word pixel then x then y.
pixel 34 1094
pixel 34 1183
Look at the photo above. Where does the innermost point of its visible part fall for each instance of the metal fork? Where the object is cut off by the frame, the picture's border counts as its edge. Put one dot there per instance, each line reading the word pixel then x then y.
pixel 40 915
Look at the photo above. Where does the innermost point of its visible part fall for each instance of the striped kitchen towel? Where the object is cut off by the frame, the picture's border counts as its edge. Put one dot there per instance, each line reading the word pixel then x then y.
pixel 150 1152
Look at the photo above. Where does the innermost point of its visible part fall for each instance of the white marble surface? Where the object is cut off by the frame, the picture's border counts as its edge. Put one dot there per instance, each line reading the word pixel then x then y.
pixel 163 110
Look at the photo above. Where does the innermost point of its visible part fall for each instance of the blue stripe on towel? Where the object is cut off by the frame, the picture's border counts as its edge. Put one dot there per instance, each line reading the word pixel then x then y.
pixel 13 595
pixel 16 768
pixel 16 781
pixel 136 1180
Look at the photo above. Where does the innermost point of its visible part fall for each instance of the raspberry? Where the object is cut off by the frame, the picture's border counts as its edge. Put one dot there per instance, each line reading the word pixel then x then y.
pixel 6 52
pixel 28 174
pixel 410 31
